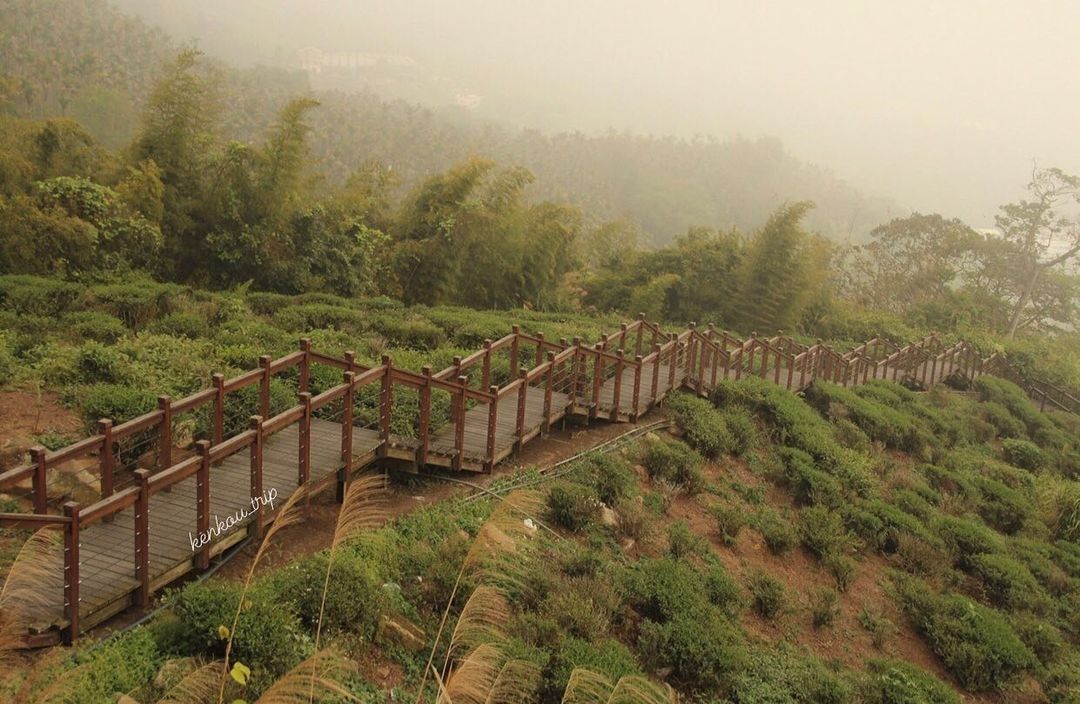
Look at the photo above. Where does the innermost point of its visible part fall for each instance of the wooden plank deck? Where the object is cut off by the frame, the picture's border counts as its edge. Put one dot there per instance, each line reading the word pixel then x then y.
pixel 107 550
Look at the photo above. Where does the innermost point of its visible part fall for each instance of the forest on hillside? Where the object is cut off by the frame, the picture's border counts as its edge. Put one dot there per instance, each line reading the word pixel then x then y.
pixel 97 66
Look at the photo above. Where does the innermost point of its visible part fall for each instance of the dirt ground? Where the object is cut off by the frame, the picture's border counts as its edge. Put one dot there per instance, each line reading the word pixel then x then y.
pixel 845 640
pixel 25 414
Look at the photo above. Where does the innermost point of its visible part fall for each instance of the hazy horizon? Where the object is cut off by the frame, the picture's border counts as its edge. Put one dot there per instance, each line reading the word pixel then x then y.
pixel 940 107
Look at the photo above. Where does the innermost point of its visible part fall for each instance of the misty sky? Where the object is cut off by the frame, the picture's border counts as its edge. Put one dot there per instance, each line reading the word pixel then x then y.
pixel 941 106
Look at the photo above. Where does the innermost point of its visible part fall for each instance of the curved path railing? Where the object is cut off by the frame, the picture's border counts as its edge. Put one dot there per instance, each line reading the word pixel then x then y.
pixel 185 481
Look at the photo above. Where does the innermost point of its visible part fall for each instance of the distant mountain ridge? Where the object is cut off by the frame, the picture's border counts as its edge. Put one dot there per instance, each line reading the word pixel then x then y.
pixel 85 59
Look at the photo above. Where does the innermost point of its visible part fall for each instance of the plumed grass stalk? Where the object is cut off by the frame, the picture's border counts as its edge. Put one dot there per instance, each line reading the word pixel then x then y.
pixel 363 508
pixel 320 675
pixel 197 687
pixel 497 555
pixel 31 586
pixel 588 687
pixel 290 514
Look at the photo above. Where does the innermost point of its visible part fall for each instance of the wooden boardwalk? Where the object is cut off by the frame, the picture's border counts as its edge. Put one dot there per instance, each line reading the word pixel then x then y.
pixel 137 539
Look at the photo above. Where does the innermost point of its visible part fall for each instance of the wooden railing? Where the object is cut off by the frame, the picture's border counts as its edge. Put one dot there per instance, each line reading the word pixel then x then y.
pixel 617 378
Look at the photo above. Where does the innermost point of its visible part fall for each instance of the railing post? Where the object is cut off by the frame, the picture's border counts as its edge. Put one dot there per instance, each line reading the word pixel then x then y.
pixel 519 426
pixel 346 436
pixel 616 395
pixel 575 371
pixel 673 362
pixel 538 359
pixel 219 408
pixel 637 384
pixel 350 360
pixel 106 461
pixel 514 344
pixel 423 430
pixel 550 378
pixel 202 503
pixel 40 479
pixel 304 441
pixel 459 429
pixel 305 363
pixel 264 386
pixel 493 419
pixel 142 538
pixel 71 572
pixel 386 399
pixel 691 352
pixel 598 379
pixel 165 433
pixel 485 369
pixel 703 353
pixel 256 470
pixel 655 385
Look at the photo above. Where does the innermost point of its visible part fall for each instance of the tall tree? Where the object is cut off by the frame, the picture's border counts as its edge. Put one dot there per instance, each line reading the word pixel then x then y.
pixel 774 277
pixel 177 134
pixel 1042 235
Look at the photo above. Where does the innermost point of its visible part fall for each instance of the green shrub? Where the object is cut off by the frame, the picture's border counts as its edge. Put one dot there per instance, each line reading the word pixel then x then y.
pixel 661 589
pixel 842 569
pixel 189 325
pixel 35 296
pixel 900 682
pixel 95 362
pixel 633 519
pixel 116 401
pixel 703 650
pixel 612 476
pixel 878 625
pixel 118 666
pixel 742 429
pixel 674 462
pixel 975 643
pixel 1005 425
pixel 822 532
pixel 1001 506
pixel 354 598
pixel 809 484
pixel 268 638
pixel 582 607
pixel 96 326
pixel 413 333
pixel 314 316
pixel 1023 454
pixel 682 542
pixel 824 607
pixel 605 656
pixel 137 303
pixel 781 674
pixel 573 506
pixel 722 589
pixel 729 521
pixel 914 503
pixel 966 538
pixel 919 557
pixel 1040 636
pixel 1008 583
pixel 703 426
pixel 777 531
pixel 1062 680
pixel 851 436
pixel 767 594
